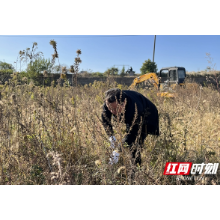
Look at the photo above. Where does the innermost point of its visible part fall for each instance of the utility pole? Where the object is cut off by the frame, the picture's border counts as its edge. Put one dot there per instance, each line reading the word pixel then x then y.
pixel 154 46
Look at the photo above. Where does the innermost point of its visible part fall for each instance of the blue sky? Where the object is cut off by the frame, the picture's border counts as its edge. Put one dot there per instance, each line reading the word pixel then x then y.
pixel 100 52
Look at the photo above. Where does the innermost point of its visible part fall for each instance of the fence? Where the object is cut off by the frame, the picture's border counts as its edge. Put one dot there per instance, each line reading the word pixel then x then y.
pixel 46 81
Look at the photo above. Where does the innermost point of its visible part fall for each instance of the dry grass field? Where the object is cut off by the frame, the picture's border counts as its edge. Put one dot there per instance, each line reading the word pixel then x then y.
pixel 54 135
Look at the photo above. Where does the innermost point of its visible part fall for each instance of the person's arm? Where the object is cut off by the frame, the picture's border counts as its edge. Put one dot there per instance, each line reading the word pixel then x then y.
pixel 106 120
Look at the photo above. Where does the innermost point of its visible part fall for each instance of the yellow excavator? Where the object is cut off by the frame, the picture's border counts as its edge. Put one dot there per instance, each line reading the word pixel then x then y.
pixel 165 82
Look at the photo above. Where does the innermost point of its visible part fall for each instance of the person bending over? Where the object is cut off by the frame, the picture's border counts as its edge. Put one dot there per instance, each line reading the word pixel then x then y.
pixel 140 116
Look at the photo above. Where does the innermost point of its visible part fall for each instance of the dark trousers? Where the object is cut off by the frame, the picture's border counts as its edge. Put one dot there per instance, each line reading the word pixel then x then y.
pixel 136 150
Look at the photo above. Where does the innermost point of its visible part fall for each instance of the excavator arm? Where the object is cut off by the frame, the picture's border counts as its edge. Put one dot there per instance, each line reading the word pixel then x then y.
pixel 152 77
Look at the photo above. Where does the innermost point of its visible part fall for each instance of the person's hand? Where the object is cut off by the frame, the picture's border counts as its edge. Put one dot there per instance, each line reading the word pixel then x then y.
pixel 114 157
pixel 112 140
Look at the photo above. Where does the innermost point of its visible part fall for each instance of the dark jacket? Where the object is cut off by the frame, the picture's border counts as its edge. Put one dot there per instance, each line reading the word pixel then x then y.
pixel 146 110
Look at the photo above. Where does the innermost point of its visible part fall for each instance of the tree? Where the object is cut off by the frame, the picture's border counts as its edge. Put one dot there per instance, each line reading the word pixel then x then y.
pixel 148 67
pixel 6 66
pixel 111 71
pixel 122 73
pixel 36 68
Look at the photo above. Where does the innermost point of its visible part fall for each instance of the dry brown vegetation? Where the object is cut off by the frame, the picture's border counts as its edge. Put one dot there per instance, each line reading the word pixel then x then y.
pixel 53 135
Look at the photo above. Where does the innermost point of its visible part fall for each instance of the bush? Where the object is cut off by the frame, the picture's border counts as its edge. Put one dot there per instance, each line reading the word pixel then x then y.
pixel 6 72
